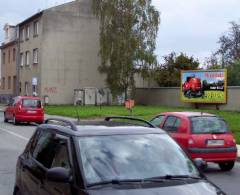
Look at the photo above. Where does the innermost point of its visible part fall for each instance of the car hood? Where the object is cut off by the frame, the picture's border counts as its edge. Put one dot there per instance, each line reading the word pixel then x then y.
pixel 198 188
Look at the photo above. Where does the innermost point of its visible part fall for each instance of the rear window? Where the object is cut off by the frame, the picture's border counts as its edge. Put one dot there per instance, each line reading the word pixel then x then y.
pixel 31 103
pixel 205 125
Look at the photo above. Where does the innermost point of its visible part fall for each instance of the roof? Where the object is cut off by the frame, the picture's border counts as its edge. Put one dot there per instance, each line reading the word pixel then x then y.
pixel 5 45
pixel 189 114
pixel 117 130
pixel 28 97
pixel 38 14
pixel 30 18
pixel 90 128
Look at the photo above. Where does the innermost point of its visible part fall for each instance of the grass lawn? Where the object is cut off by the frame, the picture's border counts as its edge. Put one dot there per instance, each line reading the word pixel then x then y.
pixel 144 112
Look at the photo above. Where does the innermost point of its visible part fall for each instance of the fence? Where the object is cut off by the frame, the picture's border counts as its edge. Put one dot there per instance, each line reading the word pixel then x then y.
pixel 170 96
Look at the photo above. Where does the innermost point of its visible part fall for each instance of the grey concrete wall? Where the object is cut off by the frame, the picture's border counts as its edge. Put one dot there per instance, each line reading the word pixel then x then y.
pixel 170 96
pixel 69 51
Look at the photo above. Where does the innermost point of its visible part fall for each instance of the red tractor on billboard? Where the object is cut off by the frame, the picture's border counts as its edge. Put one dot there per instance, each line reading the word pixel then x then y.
pixel 192 87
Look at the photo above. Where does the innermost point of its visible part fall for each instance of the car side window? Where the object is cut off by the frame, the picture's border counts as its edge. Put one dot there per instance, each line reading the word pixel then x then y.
pixel 158 120
pixel 51 151
pixel 172 124
pixel 61 158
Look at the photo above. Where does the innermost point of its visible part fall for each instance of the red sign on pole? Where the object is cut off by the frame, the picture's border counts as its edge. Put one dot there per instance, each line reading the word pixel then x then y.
pixel 129 104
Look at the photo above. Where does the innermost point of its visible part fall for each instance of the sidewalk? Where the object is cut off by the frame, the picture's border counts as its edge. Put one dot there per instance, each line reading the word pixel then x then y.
pixel 69 118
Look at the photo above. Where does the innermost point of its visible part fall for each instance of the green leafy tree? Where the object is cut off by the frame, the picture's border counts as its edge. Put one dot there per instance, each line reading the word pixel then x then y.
pixel 234 74
pixel 169 73
pixel 128 30
pixel 229 50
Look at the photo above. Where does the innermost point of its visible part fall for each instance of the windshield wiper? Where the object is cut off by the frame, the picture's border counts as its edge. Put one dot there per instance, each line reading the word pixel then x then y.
pixel 172 177
pixel 115 182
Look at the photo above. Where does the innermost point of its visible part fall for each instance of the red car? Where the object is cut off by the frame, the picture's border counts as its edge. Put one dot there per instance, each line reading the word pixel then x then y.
pixel 24 109
pixel 201 135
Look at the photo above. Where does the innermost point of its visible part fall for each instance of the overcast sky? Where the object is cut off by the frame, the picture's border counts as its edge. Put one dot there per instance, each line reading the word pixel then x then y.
pixel 189 26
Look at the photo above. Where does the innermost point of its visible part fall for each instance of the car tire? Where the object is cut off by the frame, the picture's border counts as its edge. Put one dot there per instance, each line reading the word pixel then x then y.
pixel 15 122
pixel 5 119
pixel 226 166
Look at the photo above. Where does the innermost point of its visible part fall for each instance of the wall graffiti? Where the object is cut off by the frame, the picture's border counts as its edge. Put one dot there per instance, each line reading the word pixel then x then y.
pixel 50 90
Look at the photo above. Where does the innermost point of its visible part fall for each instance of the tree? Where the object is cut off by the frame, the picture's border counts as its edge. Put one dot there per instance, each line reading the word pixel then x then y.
pixel 234 74
pixel 212 62
pixel 169 73
pixel 229 50
pixel 128 30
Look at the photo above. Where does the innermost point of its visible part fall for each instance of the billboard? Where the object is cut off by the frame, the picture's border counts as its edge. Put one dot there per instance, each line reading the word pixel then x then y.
pixel 204 86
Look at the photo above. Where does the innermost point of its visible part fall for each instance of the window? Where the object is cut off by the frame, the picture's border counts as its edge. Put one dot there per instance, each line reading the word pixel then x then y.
pixel 51 151
pixel 157 121
pixel 26 88
pixel 3 83
pixel 35 28
pixel 105 158
pixel 61 158
pixel 35 56
pixel 172 123
pixel 4 58
pixel 21 59
pixel 14 54
pixel 22 34
pixel 206 125
pixel 30 103
pixel 9 82
pixel 9 55
pixel 20 87
pixel 27 58
pixel 27 32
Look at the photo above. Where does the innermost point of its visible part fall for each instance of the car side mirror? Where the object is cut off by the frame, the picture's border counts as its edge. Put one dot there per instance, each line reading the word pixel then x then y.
pixel 200 163
pixel 59 174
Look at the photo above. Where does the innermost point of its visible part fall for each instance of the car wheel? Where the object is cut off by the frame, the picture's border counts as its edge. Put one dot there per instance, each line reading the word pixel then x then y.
pixel 5 119
pixel 14 120
pixel 226 166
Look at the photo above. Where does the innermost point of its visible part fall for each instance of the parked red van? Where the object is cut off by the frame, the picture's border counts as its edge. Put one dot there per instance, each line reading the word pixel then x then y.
pixel 201 135
pixel 24 109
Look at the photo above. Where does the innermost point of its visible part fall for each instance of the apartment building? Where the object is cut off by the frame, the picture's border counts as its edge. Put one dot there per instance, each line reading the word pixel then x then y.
pixel 8 64
pixel 58 52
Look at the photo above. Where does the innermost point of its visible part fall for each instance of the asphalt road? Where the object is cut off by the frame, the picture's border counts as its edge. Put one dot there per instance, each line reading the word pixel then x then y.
pixel 14 138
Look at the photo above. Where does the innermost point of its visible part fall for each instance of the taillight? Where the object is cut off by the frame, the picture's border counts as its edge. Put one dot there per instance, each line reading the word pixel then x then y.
pixel 19 108
pixel 234 141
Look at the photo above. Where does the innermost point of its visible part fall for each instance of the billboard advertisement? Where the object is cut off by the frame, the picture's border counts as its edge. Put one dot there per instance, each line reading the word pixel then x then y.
pixel 204 86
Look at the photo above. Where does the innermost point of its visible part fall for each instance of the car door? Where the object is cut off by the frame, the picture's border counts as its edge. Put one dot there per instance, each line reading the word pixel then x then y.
pixel 30 177
pixel 172 126
pixel 60 158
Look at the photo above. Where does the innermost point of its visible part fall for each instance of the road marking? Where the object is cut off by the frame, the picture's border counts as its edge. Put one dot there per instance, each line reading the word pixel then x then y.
pixel 15 134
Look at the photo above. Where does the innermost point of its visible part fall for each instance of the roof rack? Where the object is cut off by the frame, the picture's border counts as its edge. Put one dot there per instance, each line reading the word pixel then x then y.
pixel 130 118
pixel 67 122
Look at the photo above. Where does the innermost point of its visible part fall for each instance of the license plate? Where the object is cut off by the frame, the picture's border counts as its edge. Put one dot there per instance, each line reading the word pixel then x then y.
pixel 31 111
pixel 215 142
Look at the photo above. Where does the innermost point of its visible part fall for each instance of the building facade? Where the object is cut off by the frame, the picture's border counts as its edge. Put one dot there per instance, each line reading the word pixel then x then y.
pixel 58 52
pixel 9 64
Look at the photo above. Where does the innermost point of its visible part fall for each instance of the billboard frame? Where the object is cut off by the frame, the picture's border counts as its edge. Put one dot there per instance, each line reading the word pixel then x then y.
pixel 204 102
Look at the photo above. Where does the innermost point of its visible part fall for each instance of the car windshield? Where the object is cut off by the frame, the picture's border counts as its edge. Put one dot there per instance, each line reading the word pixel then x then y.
pixel 31 103
pixel 129 157
pixel 206 125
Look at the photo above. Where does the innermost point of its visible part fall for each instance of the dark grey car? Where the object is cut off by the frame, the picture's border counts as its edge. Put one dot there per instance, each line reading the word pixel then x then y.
pixel 107 158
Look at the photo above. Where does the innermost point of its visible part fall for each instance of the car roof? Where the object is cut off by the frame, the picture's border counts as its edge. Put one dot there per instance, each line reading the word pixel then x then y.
pixel 28 97
pixel 98 128
pixel 188 114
